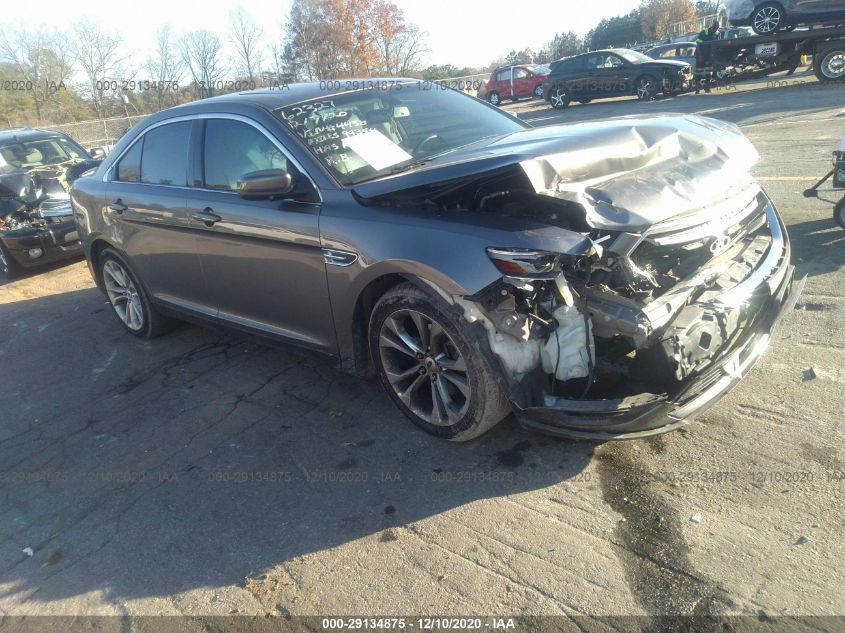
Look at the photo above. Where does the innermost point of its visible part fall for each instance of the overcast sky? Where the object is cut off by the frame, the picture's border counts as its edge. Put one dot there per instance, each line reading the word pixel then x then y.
pixel 460 32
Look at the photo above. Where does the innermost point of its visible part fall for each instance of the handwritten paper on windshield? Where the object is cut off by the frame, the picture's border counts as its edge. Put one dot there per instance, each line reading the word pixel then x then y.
pixel 376 149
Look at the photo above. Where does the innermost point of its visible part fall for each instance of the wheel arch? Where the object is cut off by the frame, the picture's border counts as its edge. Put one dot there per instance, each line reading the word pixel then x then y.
pixel 365 303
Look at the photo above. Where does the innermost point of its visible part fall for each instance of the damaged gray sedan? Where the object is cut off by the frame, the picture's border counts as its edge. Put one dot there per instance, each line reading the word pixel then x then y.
pixel 606 280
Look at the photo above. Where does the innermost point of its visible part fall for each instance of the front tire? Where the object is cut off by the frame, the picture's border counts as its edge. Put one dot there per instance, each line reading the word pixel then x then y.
pixel 768 18
pixel 9 268
pixel 647 88
pixel 494 98
pixel 538 91
pixel 128 298
pixel 839 213
pixel 427 361
pixel 830 65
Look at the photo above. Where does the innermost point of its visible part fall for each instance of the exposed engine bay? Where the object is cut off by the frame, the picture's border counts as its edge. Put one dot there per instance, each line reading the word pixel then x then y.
pixel 681 252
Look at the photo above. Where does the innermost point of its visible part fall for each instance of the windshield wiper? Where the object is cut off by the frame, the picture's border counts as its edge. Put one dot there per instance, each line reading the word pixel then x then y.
pixel 413 165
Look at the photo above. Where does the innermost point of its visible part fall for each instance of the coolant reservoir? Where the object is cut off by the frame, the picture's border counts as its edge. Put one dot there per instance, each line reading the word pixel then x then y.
pixel 567 349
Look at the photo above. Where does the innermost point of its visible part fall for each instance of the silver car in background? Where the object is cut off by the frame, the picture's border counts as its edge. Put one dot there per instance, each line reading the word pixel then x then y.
pixel 769 17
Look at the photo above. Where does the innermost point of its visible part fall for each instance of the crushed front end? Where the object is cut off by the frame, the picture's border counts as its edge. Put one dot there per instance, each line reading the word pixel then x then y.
pixel 686 277
pixel 645 331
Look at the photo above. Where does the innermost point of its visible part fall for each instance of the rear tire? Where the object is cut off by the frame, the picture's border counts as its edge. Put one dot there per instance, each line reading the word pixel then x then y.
pixel 768 18
pixel 9 268
pixel 830 65
pixel 839 213
pixel 129 299
pixel 427 360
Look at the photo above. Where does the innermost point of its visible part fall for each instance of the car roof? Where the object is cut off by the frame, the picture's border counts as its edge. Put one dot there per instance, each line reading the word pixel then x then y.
pixel 26 133
pixel 290 94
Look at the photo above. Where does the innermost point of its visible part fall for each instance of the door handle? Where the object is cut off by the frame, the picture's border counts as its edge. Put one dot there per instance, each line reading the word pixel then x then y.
pixel 117 206
pixel 206 216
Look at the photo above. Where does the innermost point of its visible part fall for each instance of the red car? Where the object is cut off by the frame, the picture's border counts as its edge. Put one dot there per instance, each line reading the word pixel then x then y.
pixel 517 82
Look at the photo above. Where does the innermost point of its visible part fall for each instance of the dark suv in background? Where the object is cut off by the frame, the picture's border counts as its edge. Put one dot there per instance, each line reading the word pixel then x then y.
pixel 614 73
pixel 37 168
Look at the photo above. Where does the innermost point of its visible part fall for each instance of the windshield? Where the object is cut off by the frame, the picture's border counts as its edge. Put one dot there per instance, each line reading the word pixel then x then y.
pixel 40 152
pixel 634 57
pixel 366 134
pixel 541 70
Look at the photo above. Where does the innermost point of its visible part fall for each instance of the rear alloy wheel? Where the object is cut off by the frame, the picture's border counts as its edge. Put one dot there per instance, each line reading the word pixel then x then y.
pixel 429 367
pixel 538 91
pixel 494 98
pixel 128 298
pixel 559 98
pixel 8 267
pixel 768 18
pixel 830 66
pixel 839 213
pixel 647 88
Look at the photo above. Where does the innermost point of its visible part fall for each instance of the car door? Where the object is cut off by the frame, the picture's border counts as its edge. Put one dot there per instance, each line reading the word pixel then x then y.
pixel 523 83
pixel 262 258
pixel 574 75
pixel 504 83
pixel 148 217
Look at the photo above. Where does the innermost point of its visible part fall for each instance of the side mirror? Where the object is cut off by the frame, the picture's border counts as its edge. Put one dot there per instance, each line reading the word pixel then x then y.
pixel 98 153
pixel 265 184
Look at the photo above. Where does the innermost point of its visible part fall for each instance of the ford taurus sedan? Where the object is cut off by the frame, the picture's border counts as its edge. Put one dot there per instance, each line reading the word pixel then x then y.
pixel 603 280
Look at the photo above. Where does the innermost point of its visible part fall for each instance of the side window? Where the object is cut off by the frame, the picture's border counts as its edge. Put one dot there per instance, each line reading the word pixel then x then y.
pixel 503 75
pixel 232 149
pixel 520 73
pixel 669 52
pixel 129 167
pixel 594 61
pixel 165 157
pixel 687 51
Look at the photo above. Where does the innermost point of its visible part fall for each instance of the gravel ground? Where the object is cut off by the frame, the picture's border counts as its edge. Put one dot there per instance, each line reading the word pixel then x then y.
pixel 205 473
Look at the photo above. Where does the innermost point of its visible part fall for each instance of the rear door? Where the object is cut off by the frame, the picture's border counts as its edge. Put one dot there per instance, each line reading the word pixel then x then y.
pixel 504 83
pixel 263 260
pixel 523 83
pixel 148 217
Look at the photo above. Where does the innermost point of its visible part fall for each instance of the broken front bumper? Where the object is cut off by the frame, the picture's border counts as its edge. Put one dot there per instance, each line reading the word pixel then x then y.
pixel 32 246
pixel 771 290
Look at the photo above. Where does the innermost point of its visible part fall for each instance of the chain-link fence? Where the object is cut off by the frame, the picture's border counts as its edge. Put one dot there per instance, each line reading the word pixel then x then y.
pixel 100 133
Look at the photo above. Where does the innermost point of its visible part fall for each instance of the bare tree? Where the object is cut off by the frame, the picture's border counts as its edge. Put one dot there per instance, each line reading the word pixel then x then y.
pixel 246 36
pixel 101 57
pixel 200 51
pixel 165 68
pixel 39 60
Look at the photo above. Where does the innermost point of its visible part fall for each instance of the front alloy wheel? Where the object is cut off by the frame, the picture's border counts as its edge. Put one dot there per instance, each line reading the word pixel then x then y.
pixel 538 91
pixel 767 19
pixel 647 88
pixel 424 367
pixel 430 364
pixel 494 98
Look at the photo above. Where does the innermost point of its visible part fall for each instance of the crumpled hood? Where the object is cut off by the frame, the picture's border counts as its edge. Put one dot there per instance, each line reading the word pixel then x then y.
pixel 627 173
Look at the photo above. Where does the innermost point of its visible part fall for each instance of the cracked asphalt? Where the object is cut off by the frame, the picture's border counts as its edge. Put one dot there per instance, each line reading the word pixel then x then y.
pixel 205 473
